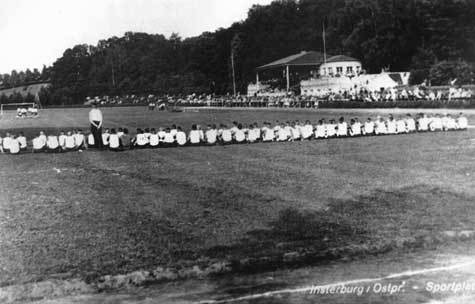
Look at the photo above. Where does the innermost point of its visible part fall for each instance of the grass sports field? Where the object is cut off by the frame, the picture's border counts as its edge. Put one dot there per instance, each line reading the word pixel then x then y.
pixel 94 213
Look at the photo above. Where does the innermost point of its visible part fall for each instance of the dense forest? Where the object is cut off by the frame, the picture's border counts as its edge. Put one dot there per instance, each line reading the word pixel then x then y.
pixel 435 39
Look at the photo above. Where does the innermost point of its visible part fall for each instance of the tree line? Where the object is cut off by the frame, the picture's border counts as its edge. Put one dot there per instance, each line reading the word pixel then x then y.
pixel 435 40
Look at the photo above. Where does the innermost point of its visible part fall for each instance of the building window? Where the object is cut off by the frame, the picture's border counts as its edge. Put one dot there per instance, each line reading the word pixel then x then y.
pixel 330 71
pixel 339 70
pixel 349 70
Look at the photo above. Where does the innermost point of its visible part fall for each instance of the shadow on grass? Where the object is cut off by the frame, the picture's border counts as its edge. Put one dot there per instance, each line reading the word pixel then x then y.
pixel 377 221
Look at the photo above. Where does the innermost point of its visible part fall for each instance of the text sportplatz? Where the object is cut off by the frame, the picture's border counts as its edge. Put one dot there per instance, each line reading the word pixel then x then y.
pixel 359 290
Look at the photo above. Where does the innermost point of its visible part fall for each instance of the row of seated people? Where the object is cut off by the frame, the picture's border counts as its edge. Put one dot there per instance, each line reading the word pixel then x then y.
pixel 120 139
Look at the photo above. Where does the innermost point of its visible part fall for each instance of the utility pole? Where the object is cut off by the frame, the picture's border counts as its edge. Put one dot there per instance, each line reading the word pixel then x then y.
pixel 234 77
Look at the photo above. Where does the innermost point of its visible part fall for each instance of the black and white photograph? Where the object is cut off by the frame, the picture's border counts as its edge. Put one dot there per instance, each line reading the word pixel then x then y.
pixel 237 151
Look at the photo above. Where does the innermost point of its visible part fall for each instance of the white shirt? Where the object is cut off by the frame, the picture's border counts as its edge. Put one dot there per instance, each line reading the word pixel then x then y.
pixel 90 139
pixel 6 143
pixel 392 127
pixel 462 122
pixel 70 143
pixel 95 115
pixel 410 125
pixel 211 136
pixel 180 138
pixel 307 131
pixel 141 139
pixel 114 141
pixel 38 143
pixel 380 127
pixel 169 138
pixel 320 131
pixel 78 139
pixel 268 134
pixel 401 126
pixel 342 129
pixel 369 127
pixel 14 146
pixel 22 141
pixel 227 135
pixel 52 142
pixel 154 140
pixel 195 137
pixel 331 129
pixel 240 136
pixel 62 140
pixel 295 132
pixel 423 124
pixel 356 129
pixel 283 135
pixel 251 135
pixel 105 139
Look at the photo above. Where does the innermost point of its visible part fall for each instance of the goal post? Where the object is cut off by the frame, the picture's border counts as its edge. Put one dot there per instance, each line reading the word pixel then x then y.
pixel 14 106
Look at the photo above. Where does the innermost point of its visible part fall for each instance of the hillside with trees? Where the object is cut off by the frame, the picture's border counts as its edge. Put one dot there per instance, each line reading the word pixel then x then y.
pixel 433 39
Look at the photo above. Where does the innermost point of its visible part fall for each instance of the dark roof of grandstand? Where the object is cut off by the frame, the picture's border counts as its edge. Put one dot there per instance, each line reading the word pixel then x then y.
pixel 310 58
pixel 396 77
pixel 340 58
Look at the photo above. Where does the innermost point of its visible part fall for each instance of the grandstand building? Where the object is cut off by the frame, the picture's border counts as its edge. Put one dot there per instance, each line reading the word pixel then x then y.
pixel 324 76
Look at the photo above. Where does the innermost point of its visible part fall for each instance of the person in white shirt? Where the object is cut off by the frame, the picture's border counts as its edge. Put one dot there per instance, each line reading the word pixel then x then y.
pixel 226 135
pixel 39 144
pixel 169 139
pixel 257 132
pixel 120 132
pixel 251 134
pixel 355 127
pixel 436 123
pixel 239 135
pixel 391 125
pixel 211 135
pixel 295 131
pixel 307 130
pixel 90 141
pixel 62 140
pixel 451 124
pixel 268 133
pixel 401 127
pixel 368 128
pixel 147 133
pixel 14 145
pixel 410 124
pixel 105 138
pixel 114 141
pixel 154 140
pixel 380 127
pixel 141 140
pixel 22 141
pixel 342 128
pixel 320 130
pixel 423 123
pixel 161 134
pixel 180 137
pixel 462 122
pixel 70 143
pixel 96 119
pixel 52 143
pixel 79 140
pixel 283 133
pixel 173 130
pixel 331 128
pixel 234 128
pixel 194 137
pixel 6 142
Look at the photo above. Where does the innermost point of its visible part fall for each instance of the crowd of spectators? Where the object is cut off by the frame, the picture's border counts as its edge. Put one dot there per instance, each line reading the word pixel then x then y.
pixel 417 93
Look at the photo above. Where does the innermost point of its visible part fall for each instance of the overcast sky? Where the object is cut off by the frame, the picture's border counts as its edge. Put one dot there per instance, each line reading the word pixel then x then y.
pixel 36 32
